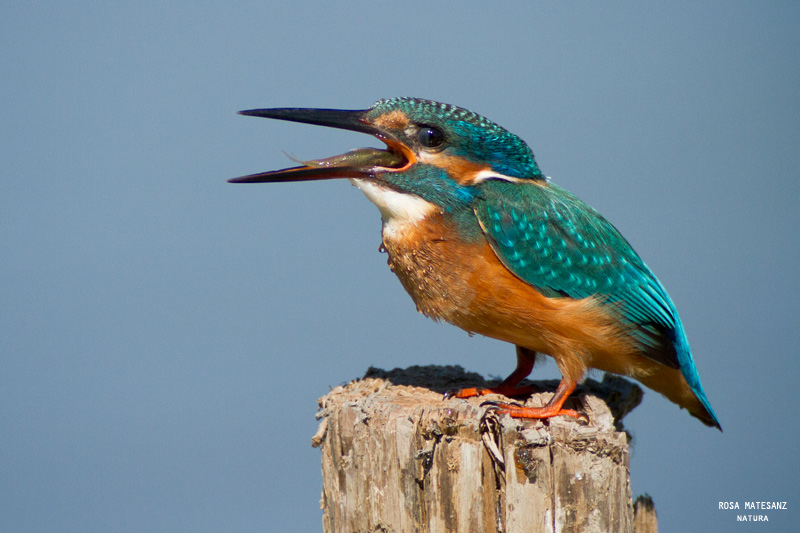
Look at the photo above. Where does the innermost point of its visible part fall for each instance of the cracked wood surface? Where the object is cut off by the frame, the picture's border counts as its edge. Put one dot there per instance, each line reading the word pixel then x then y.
pixel 396 458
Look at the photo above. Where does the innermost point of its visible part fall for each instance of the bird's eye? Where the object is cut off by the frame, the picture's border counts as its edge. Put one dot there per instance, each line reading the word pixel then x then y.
pixel 430 137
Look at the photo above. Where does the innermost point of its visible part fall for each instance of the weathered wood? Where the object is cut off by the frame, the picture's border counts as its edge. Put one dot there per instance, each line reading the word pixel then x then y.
pixel 644 515
pixel 396 457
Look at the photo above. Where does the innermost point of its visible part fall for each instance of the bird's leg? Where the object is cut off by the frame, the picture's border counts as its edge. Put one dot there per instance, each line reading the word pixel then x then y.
pixel 525 360
pixel 553 407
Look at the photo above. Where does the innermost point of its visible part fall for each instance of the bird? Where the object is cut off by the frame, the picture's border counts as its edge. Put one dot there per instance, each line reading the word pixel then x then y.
pixel 480 238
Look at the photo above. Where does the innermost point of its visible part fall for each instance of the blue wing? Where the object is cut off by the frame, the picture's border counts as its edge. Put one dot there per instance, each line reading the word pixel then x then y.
pixel 563 247
pixel 552 240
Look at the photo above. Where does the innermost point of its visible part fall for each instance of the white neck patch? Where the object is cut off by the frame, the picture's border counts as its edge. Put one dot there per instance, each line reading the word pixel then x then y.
pixel 492 175
pixel 397 209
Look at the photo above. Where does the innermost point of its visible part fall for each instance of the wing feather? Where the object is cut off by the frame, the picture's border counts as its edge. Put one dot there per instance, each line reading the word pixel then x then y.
pixel 558 244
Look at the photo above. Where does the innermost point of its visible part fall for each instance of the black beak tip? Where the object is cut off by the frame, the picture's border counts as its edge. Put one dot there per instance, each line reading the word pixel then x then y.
pixel 335 118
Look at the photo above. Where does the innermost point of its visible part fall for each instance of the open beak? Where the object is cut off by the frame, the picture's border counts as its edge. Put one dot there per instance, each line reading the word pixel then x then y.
pixel 360 163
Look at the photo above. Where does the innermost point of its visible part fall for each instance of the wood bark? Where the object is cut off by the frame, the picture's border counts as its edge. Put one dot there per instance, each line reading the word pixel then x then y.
pixel 644 515
pixel 396 457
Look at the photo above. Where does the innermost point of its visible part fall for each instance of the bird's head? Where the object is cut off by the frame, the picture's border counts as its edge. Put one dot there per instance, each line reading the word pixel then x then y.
pixel 435 151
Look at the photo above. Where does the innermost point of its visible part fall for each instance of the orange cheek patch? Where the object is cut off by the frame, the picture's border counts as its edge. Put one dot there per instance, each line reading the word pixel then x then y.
pixel 394 120
pixel 461 170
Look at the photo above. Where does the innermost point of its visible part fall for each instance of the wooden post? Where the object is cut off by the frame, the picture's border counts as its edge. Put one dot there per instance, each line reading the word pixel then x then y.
pixel 396 457
pixel 644 515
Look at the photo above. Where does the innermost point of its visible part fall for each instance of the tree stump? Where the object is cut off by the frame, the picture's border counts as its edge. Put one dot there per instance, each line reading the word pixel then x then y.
pixel 396 457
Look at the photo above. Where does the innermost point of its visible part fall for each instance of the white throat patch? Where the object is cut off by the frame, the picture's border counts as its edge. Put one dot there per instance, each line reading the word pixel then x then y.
pixel 397 209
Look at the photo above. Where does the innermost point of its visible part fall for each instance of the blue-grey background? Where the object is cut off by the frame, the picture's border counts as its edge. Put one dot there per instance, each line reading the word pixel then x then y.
pixel 165 335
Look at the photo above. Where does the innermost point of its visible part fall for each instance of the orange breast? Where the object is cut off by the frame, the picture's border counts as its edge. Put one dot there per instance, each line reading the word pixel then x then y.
pixel 467 285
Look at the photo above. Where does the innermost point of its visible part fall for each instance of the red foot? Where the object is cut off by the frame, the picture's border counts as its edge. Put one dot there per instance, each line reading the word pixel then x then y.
pixel 509 388
pixel 548 411
pixel 553 408
pixel 525 360
pixel 509 392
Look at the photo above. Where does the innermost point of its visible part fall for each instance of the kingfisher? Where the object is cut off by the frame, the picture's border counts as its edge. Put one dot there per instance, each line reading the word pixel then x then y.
pixel 481 239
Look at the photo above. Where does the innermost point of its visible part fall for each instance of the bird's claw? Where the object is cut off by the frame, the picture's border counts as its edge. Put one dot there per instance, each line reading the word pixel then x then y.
pixel 516 410
pixel 495 406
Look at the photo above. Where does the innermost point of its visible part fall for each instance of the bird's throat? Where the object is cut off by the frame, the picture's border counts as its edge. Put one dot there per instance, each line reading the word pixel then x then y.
pixel 397 209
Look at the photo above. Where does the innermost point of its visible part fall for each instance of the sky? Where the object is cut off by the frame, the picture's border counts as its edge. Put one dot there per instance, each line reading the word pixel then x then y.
pixel 165 335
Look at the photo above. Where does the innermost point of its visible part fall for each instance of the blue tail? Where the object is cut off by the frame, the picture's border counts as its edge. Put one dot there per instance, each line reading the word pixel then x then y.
pixel 689 372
